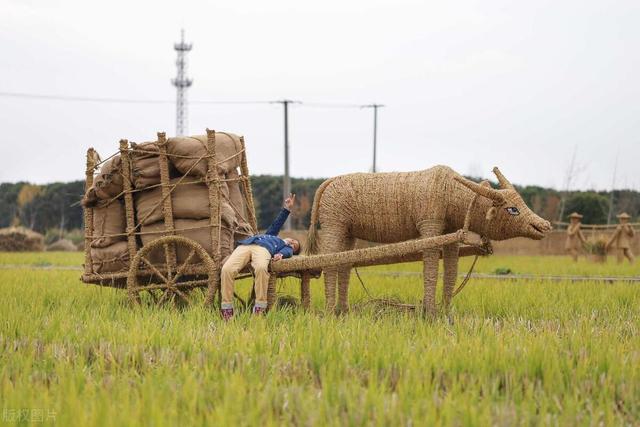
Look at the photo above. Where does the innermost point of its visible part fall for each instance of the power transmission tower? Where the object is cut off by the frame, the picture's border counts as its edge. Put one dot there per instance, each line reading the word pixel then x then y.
pixel 286 181
pixel 375 132
pixel 182 83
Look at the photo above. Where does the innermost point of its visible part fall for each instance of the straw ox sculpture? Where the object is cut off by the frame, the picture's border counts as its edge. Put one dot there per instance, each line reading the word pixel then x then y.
pixel 395 207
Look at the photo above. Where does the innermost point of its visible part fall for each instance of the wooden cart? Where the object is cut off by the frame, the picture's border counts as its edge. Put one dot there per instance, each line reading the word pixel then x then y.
pixel 171 281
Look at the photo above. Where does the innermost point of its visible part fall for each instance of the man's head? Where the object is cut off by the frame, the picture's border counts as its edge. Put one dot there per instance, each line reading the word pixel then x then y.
pixel 295 245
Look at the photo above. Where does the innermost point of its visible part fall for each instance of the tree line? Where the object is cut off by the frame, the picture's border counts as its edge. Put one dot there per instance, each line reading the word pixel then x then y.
pixel 45 207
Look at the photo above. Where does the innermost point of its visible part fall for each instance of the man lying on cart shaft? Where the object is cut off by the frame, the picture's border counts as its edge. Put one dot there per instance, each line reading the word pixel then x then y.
pixel 259 249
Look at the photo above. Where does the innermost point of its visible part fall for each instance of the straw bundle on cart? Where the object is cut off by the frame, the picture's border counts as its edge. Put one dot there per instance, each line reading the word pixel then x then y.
pixel 188 192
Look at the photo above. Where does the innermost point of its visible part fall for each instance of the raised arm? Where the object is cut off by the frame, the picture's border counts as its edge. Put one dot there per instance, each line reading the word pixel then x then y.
pixel 277 223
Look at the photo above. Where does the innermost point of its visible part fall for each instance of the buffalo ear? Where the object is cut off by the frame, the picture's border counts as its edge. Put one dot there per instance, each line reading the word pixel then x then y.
pixel 491 213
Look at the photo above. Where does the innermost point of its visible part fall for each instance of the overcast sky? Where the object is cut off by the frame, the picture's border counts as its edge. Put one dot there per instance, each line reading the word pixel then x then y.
pixel 470 84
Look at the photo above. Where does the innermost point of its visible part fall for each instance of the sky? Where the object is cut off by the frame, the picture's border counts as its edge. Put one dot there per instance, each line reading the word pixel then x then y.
pixel 526 86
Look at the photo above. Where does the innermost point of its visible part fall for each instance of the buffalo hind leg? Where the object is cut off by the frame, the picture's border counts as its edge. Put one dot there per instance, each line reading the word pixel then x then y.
pixel 344 273
pixel 450 261
pixel 333 240
pixel 430 258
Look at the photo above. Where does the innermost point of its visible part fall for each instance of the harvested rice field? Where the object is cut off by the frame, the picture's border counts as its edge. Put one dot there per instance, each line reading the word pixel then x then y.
pixel 512 352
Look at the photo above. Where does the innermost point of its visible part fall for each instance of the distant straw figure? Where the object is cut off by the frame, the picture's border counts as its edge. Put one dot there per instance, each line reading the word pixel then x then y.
pixel 575 238
pixel 622 237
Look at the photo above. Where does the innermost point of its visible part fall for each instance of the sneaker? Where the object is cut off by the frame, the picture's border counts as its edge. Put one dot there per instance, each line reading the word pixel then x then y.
pixel 259 311
pixel 227 314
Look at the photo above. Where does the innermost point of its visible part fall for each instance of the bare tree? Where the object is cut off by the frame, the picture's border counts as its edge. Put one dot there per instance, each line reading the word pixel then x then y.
pixel 571 175
pixel 613 184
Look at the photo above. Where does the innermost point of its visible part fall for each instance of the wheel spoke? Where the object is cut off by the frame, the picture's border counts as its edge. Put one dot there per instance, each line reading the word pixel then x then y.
pixel 154 297
pixel 169 281
pixel 167 258
pixel 191 284
pixel 182 295
pixel 164 296
pixel 154 269
pixel 183 267
pixel 151 287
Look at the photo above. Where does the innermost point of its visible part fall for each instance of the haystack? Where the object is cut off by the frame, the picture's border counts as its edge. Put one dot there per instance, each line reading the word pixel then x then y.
pixel 20 239
pixel 62 245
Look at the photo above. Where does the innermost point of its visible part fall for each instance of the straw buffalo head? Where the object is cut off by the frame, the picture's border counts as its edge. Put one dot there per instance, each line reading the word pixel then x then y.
pixel 508 216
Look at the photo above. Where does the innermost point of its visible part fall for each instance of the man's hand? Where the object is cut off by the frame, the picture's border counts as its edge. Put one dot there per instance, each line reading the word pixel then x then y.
pixel 277 257
pixel 289 201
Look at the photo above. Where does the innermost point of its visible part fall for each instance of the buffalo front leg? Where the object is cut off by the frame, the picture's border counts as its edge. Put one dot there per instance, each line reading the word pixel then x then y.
pixel 450 261
pixel 430 258
pixel 335 239
pixel 305 291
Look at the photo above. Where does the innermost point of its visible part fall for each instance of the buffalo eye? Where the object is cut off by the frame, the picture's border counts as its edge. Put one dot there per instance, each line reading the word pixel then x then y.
pixel 512 210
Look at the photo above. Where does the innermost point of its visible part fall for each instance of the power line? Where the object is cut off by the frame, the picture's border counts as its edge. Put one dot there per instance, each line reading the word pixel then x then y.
pixel 83 98
pixel 330 105
pixel 116 100
pixel 73 98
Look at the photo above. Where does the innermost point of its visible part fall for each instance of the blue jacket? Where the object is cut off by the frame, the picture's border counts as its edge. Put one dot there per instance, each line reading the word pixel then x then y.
pixel 270 240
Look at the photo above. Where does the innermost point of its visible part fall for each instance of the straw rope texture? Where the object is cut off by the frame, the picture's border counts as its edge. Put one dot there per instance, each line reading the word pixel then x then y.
pixel 396 207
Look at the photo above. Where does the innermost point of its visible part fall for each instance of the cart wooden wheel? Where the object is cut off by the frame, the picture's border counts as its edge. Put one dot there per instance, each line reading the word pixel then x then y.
pixel 153 272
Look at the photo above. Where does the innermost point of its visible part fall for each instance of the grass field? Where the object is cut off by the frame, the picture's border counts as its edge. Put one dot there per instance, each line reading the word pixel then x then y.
pixel 512 353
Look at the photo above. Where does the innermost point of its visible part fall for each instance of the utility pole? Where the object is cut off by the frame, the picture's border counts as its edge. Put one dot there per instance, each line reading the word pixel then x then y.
pixel 286 181
pixel 375 132
pixel 182 83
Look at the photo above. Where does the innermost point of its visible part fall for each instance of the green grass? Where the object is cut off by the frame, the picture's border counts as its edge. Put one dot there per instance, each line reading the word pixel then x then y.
pixel 514 353
pixel 42 259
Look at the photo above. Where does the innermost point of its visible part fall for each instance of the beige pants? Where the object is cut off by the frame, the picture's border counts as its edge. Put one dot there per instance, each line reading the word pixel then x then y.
pixel 240 257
